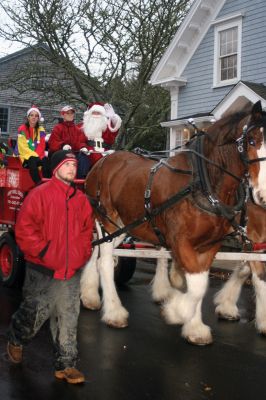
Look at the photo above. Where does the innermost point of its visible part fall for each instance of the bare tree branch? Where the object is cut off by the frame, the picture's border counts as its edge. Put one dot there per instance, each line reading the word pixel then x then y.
pixel 107 50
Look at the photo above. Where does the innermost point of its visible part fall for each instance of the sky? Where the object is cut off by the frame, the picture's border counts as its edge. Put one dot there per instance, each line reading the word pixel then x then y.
pixel 7 48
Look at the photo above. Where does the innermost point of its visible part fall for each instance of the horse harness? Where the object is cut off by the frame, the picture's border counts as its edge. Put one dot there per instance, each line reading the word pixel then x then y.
pixel 200 186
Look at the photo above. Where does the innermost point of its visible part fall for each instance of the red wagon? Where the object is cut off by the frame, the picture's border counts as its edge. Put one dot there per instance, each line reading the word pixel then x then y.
pixel 15 183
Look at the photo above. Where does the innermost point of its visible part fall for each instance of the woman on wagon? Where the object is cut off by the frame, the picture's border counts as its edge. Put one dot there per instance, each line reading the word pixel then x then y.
pixel 31 145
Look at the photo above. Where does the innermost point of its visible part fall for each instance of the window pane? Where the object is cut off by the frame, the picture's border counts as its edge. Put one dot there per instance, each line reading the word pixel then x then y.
pixel 228 67
pixel 3 119
pixel 228 41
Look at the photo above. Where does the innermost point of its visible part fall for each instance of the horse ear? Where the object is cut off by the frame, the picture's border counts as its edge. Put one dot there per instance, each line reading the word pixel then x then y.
pixel 257 110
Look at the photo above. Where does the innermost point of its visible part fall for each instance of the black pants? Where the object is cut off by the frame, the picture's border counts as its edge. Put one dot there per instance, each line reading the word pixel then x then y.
pixel 33 163
pixel 47 298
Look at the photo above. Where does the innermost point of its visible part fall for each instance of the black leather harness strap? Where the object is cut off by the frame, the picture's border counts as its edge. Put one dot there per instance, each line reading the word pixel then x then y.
pixel 154 212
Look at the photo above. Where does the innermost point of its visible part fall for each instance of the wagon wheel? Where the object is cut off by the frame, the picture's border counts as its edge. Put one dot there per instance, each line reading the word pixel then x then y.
pixel 124 269
pixel 11 263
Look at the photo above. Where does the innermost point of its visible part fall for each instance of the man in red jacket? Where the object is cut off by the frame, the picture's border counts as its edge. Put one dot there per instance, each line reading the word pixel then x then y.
pixel 66 135
pixel 54 231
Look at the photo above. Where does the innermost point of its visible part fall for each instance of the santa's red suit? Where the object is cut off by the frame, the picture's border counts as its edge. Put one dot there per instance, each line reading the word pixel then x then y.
pixel 100 125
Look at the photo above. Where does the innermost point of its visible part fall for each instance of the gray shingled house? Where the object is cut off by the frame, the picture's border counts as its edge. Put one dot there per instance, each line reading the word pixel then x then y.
pixel 22 84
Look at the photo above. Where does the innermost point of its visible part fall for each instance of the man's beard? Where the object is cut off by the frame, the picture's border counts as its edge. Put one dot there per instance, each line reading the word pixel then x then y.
pixel 94 126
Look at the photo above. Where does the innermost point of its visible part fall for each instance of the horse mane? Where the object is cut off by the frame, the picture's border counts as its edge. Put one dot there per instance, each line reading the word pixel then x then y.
pixel 225 129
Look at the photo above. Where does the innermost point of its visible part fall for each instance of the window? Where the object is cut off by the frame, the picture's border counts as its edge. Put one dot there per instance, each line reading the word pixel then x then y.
pixel 227 53
pixel 182 137
pixel 4 120
pixel 39 79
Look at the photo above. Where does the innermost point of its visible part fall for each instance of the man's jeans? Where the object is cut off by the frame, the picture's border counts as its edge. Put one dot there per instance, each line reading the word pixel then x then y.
pixel 45 297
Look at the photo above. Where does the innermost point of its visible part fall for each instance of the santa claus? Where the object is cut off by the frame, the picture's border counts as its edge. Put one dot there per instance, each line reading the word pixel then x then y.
pixel 101 125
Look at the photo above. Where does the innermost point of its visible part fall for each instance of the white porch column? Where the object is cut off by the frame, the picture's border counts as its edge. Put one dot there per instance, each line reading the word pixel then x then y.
pixel 174 92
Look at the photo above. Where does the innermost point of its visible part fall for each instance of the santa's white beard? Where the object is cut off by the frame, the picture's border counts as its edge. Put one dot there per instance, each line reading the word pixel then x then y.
pixel 94 125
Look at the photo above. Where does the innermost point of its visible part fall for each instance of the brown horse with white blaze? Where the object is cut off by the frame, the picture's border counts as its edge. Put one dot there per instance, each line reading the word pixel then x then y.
pixel 124 184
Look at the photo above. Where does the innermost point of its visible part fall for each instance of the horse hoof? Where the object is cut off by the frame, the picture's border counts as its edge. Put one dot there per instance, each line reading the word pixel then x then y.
pixel 199 341
pixel 117 325
pixel 227 317
pixel 94 306
pixel 262 330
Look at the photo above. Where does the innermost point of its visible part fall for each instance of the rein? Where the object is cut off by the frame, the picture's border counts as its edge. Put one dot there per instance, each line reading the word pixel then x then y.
pixel 217 207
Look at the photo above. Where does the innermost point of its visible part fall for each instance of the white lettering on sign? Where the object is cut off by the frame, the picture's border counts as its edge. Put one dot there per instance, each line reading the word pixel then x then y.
pixel 12 178
pixel 14 199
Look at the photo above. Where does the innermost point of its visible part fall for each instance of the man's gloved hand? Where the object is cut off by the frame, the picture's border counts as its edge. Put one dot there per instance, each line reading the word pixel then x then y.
pixel 67 147
pixel 110 112
pixel 84 150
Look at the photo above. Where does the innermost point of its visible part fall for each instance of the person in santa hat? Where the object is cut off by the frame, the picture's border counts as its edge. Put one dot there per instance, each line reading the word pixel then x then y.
pixel 100 125
pixel 30 145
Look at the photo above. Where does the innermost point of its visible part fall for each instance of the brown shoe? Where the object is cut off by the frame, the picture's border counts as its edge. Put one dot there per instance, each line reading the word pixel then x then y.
pixel 71 375
pixel 14 353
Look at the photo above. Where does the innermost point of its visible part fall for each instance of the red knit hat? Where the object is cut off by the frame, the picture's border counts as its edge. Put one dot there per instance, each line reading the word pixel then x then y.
pixel 60 157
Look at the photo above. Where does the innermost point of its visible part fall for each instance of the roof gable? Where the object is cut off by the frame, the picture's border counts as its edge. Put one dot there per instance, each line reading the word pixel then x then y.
pixel 186 41
pixel 240 96
pixel 22 52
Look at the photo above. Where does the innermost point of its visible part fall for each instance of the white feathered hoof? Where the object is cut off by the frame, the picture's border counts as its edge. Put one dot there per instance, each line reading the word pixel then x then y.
pixel 227 312
pixel 91 302
pixel 170 316
pixel 261 328
pixel 197 334
pixel 117 319
pixel 160 297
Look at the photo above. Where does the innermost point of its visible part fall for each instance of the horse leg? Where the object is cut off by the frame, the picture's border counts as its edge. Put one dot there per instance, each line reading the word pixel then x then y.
pixel 226 299
pixel 195 331
pixel 114 314
pixel 258 280
pixel 89 283
pixel 176 276
pixel 161 287
pixel 185 308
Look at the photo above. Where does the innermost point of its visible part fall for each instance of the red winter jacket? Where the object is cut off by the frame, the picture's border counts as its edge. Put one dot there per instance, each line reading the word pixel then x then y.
pixel 109 136
pixel 54 228
pixel 66 133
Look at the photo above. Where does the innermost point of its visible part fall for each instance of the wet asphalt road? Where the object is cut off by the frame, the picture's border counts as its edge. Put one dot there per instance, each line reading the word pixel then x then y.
pixel 147 360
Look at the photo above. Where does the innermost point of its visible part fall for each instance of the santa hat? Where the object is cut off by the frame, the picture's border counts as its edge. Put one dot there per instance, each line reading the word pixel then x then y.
pixel 97 107
pixel 35 109
pixel 60 157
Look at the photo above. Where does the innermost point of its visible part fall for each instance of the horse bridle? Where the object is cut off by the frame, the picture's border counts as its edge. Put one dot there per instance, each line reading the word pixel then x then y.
pixel 242 143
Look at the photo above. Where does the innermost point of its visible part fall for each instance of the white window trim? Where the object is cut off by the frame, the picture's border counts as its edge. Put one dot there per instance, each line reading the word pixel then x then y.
pixel 236 23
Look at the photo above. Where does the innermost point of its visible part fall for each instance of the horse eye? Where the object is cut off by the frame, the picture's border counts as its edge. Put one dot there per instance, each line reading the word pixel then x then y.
pixel 251 141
